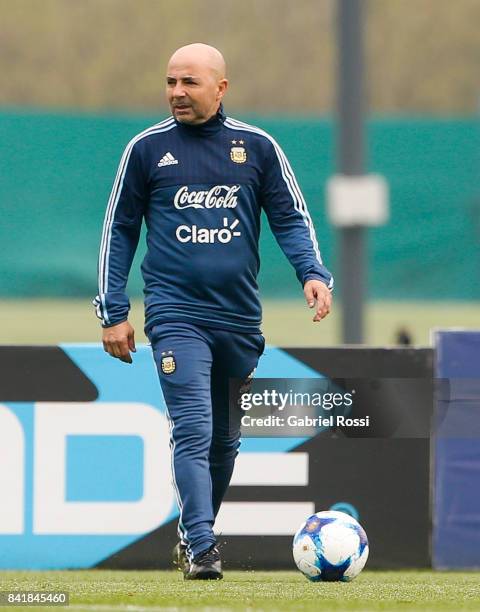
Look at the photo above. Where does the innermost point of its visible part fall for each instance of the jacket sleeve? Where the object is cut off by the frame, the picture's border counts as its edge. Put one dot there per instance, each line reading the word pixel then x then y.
pixel 121 231
pixel 289 218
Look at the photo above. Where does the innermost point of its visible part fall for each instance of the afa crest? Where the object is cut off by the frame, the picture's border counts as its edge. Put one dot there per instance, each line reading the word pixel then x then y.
pixel 238 154
pixel 168 363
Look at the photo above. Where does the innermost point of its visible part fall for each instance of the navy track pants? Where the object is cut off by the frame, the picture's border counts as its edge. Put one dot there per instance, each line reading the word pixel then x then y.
pixel 195 364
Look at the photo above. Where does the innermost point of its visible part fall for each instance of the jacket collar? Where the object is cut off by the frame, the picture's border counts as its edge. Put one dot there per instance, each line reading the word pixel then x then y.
pixel 208 127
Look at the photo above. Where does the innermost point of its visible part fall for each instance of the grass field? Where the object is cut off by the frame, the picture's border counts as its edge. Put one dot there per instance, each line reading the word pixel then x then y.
pixel 150 591
pixel 286 323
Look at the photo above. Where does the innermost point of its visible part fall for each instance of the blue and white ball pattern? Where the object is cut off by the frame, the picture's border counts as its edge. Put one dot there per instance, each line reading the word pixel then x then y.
pixel 330 546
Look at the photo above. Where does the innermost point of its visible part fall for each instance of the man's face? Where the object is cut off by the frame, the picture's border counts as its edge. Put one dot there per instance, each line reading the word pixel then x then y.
pixel 194 91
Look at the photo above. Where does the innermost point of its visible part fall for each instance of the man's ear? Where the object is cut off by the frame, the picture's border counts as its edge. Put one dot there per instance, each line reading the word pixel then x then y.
pixel 222 88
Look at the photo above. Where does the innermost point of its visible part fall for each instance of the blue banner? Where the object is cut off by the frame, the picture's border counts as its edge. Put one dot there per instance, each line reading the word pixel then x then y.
pixel 85 476
pixel 456 520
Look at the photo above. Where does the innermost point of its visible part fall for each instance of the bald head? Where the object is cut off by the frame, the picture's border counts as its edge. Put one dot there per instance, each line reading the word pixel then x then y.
pixel 196 82
pixel 199 54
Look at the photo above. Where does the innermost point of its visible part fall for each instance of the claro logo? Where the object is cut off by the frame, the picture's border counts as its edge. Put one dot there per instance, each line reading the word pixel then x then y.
pixel 205 235
pixel 220 196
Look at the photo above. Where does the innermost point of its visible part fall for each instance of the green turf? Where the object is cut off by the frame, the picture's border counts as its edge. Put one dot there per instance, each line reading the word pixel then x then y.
pixel 138 591
pixel 286 323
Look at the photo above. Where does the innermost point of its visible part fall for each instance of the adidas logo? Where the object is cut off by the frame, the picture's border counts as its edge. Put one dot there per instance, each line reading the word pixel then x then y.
pixel 167 160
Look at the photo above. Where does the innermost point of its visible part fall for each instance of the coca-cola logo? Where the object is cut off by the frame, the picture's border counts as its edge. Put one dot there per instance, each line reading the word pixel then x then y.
pixel 219 196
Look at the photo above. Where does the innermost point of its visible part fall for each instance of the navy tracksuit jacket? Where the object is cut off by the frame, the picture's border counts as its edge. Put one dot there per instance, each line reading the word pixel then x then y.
pixel 201 189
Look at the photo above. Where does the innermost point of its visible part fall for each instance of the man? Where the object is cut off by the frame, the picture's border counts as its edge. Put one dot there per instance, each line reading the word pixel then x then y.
pixel 200 180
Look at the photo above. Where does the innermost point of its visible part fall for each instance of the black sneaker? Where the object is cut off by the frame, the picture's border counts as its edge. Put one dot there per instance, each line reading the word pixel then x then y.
pixel 180 559
pixel 207 566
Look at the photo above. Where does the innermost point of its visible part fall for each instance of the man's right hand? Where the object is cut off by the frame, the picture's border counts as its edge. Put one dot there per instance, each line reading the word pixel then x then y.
pixel 119 340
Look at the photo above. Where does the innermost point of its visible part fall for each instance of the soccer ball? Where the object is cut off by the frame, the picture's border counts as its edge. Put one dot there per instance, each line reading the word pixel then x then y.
pixel 330 546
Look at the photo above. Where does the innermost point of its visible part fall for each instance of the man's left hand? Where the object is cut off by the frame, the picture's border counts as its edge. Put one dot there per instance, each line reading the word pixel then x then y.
pixel 319 296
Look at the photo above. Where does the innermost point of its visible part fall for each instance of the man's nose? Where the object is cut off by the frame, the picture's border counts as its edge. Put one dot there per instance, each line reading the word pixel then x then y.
pixel 178 91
